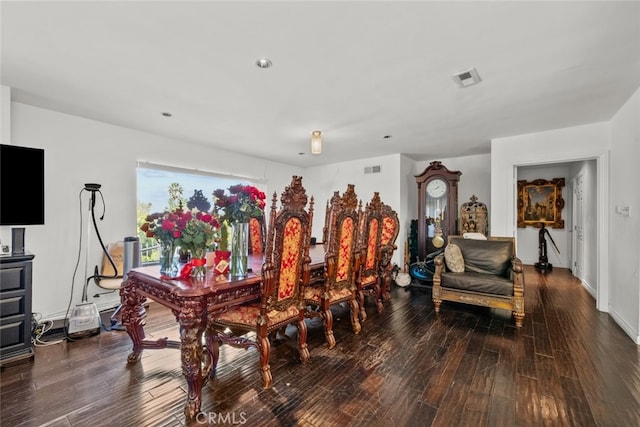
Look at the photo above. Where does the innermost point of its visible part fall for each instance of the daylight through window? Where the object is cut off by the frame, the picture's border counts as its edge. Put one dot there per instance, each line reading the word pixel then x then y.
pixel 161 188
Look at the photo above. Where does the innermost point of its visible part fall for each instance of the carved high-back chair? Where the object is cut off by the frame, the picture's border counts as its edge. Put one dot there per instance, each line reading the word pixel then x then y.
pixel 327 216
pixel 368 281
pixel 341 264
pixel 390 230
pixel 285 274
pixel 256 235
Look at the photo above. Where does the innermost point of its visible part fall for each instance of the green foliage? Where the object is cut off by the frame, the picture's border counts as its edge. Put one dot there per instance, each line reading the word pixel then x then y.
pixel 142 211
pixel 176 201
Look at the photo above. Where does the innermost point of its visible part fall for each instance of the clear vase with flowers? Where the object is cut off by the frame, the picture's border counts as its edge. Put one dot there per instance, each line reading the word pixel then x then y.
pixel 193 231
pixel 236 206
pixel 198 234
pixel 163 226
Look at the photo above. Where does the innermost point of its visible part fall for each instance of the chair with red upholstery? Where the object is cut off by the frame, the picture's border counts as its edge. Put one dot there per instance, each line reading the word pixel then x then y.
pixel 341 265
pixel 327 216
pixel 256 235
pixel 285 274
pixel 368 280
pixel 390 229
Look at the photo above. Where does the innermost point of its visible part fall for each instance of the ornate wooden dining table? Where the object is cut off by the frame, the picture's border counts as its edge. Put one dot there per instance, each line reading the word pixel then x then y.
pixel 192 302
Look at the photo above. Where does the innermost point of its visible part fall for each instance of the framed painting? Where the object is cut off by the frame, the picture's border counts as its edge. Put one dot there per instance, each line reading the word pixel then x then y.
pixel 540 202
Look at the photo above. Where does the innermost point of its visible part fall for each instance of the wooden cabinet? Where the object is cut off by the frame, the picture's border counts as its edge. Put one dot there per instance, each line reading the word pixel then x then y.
pixel 15 309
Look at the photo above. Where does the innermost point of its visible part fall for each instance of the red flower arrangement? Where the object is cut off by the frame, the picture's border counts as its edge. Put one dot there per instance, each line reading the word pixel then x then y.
pixel 241 204
pixel 194 231
pixel 162 226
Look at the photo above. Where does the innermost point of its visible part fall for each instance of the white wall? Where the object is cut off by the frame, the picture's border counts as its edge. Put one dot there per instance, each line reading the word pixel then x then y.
pixel 389 182
pixel 625 230
pixel 589 172
pixel 78 151
pixel 5 115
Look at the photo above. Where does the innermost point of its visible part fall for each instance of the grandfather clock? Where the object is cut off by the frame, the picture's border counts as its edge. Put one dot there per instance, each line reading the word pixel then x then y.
pixel 437 207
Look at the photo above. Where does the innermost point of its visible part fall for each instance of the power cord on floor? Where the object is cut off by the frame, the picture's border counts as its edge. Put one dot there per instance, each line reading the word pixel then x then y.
pixel 39 329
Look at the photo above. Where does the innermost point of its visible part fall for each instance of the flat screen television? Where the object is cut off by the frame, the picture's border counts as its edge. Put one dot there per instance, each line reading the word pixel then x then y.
pixel 21 185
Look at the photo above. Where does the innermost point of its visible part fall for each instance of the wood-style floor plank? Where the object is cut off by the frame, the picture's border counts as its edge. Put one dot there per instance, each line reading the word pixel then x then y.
pixel 569 365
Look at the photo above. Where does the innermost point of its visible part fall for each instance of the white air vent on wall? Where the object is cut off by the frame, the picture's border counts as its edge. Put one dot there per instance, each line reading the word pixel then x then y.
pixel 467 78
pixel 372 169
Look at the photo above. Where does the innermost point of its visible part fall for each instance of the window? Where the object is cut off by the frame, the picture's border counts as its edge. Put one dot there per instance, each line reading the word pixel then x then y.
pixel 156 182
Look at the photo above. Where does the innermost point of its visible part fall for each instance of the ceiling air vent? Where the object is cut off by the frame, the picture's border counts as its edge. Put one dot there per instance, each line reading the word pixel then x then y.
pixel 467 78
pixel 372 169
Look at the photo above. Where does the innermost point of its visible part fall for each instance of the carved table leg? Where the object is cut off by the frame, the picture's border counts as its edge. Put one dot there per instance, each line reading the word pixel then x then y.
pixel 192 326
pixel 133 318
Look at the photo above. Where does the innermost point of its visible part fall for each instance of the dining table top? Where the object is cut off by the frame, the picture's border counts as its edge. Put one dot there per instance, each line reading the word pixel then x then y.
pixel 213 281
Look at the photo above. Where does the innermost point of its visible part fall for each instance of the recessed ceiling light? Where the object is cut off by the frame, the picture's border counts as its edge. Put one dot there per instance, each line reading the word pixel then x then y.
pixel 166 114
pixel 263 63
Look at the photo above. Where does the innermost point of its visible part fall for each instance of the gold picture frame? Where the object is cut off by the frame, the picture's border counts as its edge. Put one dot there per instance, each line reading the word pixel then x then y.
pixel 540 202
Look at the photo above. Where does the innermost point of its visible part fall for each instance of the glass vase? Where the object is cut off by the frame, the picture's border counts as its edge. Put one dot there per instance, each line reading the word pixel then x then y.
pixel 239 249
pixel 168 266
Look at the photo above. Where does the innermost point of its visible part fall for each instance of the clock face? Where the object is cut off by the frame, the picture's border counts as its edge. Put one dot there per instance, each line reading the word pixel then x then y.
pixel 436 188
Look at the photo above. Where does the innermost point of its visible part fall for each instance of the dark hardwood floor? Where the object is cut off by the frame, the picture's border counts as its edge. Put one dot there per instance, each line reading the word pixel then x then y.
pixel 569 365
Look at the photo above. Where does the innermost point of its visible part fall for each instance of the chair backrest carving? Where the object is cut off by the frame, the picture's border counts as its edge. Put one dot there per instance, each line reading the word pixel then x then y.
pixel 342 247
pixel 371 225
pixel 287 263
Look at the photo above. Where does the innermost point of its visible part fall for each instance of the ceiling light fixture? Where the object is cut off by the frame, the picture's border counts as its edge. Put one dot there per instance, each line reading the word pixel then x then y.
pixel 316 142
pixel 263 63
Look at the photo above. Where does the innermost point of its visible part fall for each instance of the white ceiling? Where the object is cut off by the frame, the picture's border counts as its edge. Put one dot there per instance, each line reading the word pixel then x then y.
pixel 355 70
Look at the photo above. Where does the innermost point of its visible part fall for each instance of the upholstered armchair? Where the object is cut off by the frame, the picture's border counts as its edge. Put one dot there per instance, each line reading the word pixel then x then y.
pixel 285 275
pixel 480 272
pixel 341 265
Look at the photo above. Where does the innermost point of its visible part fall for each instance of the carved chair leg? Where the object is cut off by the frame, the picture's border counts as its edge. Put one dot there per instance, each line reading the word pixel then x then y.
pixel 303 350
pixel 379 299
pixel 363 313
pixel 265 369
pixel 328 328
pixel 354 316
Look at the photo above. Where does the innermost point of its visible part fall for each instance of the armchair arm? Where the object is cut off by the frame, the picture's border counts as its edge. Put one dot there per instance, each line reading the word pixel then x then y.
pixel 440 268
pixel 516 265
pixel 517 276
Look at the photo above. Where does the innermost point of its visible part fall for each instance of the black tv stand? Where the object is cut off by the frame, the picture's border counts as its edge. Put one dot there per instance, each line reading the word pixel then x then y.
pixel 15 306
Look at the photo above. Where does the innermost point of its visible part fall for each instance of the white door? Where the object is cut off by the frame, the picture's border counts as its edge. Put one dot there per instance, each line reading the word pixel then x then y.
pixel 578 228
